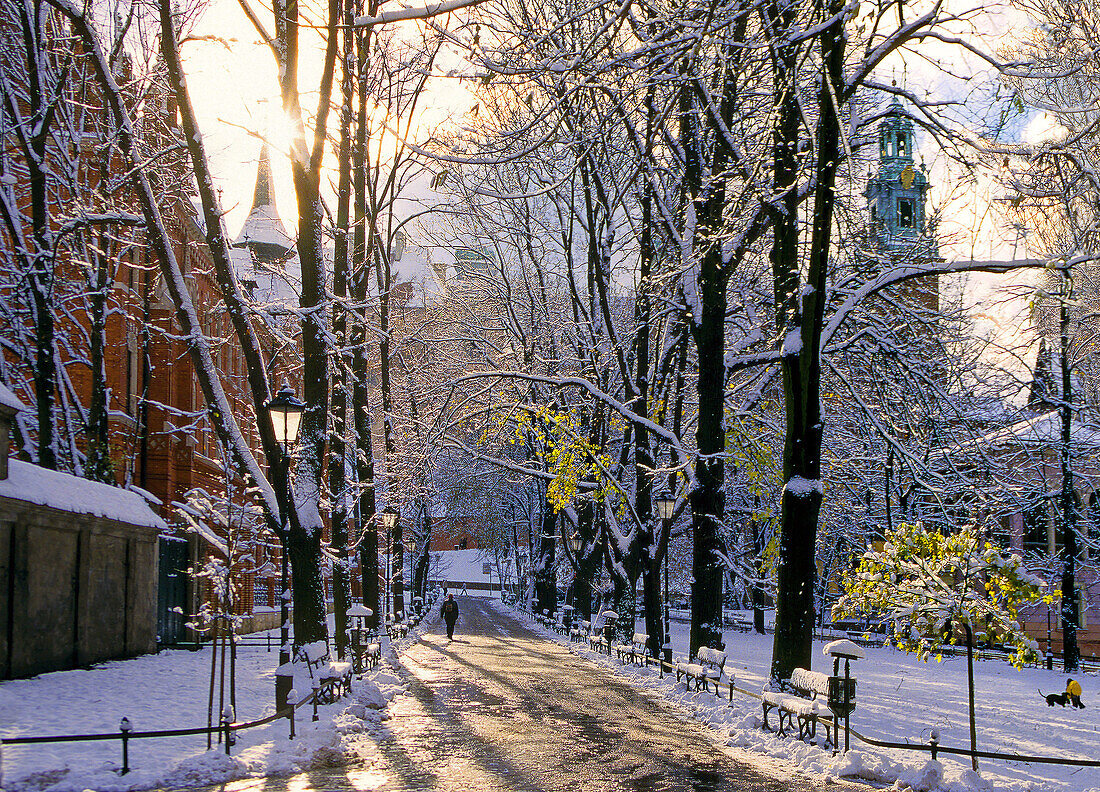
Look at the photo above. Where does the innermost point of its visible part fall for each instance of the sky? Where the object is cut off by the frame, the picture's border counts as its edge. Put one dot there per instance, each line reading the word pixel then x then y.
pixel 234 86
pixel 233 81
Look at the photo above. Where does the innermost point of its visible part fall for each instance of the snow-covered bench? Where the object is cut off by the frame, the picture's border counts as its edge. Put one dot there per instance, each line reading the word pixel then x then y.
pixel 636 649
pixel 596 640
pixel 580 632
pixel 709 665
pixel 332 678
pixel 803 702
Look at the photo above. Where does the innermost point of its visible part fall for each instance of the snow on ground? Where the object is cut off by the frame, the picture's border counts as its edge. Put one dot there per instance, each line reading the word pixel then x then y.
pixel 900 699
pixel 170 690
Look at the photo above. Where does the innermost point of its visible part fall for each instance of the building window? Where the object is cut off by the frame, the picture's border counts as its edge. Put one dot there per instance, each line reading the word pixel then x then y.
pixel 1036 524
pixel 905 213
pixel 901 144
pixel 1092 522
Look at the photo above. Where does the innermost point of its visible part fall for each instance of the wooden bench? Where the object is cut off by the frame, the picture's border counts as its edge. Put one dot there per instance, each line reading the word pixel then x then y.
pixel 801 702
pixel 743 625
pixel 865 638
pixel 637 648
pixel 365 649
pixel 709 665
pixel 332 678
pixel 580 632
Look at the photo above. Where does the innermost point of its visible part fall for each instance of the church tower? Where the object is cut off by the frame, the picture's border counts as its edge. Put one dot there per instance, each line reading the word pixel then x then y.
pixel 264 233
pixel 896 197
pixel 896 194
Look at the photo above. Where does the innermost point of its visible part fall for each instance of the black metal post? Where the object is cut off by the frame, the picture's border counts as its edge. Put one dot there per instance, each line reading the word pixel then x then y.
pixel 125 727
pixel 227 728
pixel 284 681
pixel 970 684
pixel 847 702
pixel 1050 654
pixel 666 650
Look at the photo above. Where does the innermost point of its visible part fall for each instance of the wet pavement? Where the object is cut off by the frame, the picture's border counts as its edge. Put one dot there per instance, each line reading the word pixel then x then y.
pixel 502 708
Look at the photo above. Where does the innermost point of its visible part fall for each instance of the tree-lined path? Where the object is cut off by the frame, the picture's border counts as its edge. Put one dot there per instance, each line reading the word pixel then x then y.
pixel 501 708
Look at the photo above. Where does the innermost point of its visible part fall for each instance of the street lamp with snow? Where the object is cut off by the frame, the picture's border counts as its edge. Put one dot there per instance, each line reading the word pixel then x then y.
pixel 285 412
pixel 390 519
pixel 666 506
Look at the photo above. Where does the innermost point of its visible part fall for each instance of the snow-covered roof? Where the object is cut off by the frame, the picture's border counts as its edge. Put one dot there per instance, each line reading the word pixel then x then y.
pixel 9 399
pixel 1045 429
pixel 265 229
pixel 34 484
pixel 418 281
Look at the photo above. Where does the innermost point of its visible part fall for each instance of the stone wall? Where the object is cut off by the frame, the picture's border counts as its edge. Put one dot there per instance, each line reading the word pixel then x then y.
pixel 75 589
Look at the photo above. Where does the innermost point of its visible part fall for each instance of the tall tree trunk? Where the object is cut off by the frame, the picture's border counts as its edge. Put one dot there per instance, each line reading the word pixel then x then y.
pixel 1070 618
pixel 800 326
pixel 337 467
pixel 546 592
pixel 366 502
pixel 98 466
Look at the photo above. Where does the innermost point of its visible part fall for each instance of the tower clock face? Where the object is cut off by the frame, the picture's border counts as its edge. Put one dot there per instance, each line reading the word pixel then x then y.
pixel 906 177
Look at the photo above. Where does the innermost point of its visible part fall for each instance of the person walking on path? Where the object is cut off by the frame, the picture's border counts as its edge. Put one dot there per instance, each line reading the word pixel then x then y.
pixel 449 612
pixel 1073 692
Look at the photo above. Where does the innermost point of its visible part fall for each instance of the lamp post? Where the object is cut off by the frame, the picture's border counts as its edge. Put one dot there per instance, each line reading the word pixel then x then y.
pixel 666 505
pixel 576 544
pixel 390 520
pixel 285 412
pixel 409 542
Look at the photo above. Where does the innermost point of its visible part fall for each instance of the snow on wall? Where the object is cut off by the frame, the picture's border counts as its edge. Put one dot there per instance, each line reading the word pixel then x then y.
pixel 34 484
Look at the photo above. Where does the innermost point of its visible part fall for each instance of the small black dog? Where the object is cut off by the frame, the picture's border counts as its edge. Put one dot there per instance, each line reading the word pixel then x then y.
pixel 1055 698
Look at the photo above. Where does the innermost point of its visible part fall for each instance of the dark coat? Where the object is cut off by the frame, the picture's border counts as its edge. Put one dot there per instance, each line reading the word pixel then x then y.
pixel 449 611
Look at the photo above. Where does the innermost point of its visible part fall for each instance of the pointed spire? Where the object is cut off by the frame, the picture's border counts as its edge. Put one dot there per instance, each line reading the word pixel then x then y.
pixel 265 185
pixel 263 231
pixel 1043 394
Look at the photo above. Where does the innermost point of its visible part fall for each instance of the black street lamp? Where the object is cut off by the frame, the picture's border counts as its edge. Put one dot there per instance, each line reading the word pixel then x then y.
pixel 391 521
pixel 285 412
pixel 666 505
pixel 576 544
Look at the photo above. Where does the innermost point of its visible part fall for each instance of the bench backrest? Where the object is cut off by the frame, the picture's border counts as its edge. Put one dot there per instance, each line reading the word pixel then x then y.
pixel 586 625
pixel 314 655
pixel 641 639
pixel 811 682
pixel 708 656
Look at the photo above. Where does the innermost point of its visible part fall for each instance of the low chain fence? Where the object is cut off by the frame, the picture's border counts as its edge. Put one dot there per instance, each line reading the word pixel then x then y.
pixel 226 731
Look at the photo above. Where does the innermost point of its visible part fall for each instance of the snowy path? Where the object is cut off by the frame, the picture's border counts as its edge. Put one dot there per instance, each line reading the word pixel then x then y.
pixel 502 708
